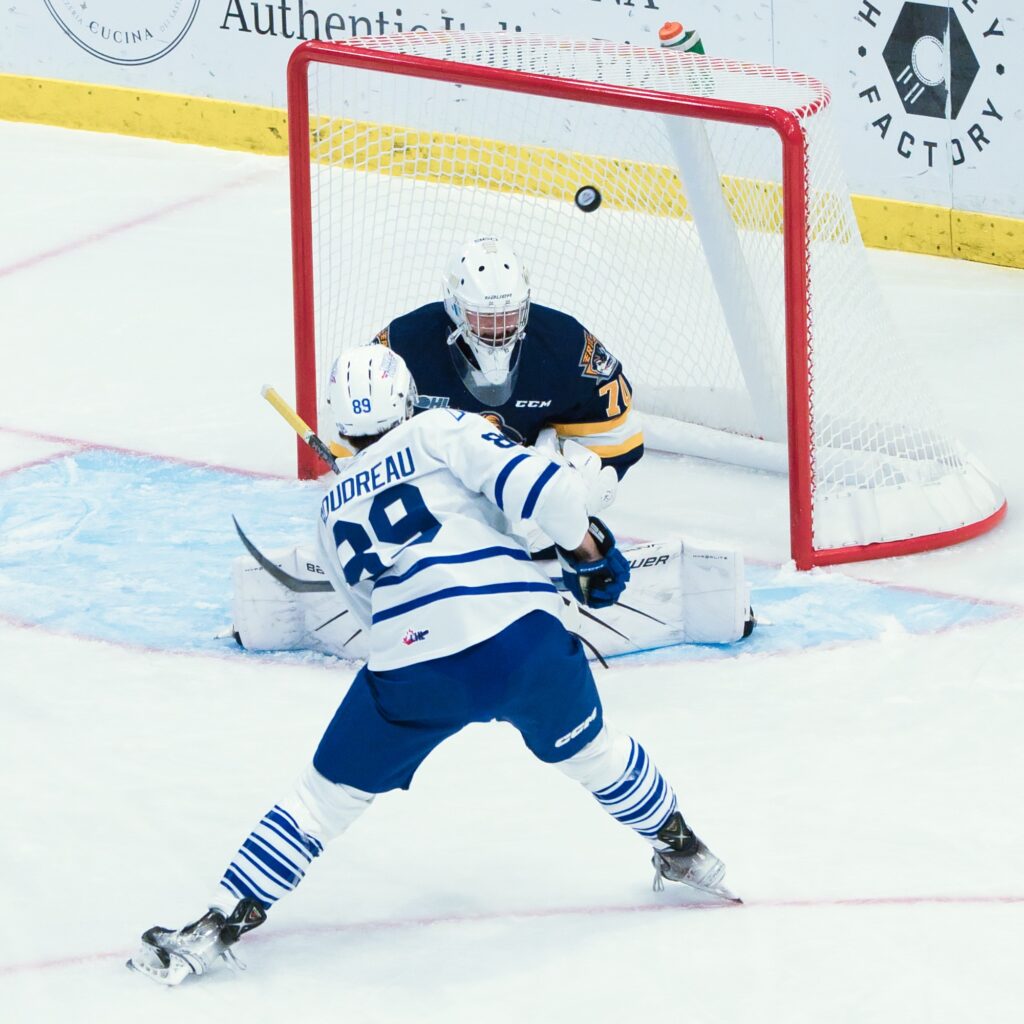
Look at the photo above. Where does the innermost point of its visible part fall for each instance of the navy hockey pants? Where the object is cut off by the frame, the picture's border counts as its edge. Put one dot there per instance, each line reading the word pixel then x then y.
pixel 533 674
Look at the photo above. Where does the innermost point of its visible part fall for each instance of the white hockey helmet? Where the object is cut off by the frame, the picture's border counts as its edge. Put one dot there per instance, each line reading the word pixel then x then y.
pixel 370 391
pixel 487 297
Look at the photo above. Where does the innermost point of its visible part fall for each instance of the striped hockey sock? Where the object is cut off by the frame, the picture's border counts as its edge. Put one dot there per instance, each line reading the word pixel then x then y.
pixel 640 797
pixel 272 860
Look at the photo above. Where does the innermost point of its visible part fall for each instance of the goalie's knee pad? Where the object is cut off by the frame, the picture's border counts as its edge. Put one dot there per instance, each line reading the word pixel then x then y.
pixel 266 616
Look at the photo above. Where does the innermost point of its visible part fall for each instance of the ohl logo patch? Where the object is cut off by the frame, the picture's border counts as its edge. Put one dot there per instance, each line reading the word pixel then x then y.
pixel 932 78
pixel 414 636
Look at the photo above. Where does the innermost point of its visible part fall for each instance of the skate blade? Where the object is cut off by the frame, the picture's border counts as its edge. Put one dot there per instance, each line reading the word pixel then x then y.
pixel 160 966
pixel 719 892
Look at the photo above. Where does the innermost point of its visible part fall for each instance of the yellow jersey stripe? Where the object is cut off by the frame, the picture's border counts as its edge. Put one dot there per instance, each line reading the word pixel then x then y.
pixel 608 451
pixel 585 429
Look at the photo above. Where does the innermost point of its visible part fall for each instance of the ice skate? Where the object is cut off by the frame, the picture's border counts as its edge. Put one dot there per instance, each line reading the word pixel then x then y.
pixel 168 956
pixel 688 861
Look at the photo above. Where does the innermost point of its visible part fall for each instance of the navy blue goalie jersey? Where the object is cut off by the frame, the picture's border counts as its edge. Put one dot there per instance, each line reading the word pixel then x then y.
pixel 566 379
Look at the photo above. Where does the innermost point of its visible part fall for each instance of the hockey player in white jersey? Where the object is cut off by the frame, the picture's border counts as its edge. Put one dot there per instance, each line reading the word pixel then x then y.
pixel 463 627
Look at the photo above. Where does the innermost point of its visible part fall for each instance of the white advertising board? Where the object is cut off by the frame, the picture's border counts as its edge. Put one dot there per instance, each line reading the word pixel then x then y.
pixel 927 92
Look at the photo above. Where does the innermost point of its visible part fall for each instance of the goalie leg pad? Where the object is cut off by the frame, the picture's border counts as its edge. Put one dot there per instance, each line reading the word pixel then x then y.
pixel 716 597
pixel 266 616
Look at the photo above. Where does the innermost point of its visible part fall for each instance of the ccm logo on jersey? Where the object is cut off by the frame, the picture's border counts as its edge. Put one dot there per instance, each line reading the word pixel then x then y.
pixel 582 727
pixel 531 403
pixel 413 636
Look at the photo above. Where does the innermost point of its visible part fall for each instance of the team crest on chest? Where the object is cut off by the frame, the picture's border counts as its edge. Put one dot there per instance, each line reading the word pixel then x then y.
pixel 596 361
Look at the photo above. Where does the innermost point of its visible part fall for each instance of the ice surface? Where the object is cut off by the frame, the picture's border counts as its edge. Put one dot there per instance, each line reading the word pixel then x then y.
pixel 859 766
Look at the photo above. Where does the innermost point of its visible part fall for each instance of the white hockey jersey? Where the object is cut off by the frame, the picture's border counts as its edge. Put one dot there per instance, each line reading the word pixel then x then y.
pixel 417 529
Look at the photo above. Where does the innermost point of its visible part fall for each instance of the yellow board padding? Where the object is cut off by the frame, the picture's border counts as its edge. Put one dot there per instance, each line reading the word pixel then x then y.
pixel 151 115
pixel 988 238
pixel 884 223
pixel 911 227
pixel 449 158
pixel 940 231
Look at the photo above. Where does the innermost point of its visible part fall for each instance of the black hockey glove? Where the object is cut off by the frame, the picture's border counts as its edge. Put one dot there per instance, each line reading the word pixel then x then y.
pixel 596 584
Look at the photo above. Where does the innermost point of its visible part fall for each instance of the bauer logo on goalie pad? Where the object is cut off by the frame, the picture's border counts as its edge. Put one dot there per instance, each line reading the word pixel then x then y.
pixel 596 361
pixel 646 563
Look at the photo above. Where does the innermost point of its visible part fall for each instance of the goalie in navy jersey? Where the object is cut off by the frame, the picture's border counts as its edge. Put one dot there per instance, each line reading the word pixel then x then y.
pixel 534 373
pixel 487 349
pixel 464 627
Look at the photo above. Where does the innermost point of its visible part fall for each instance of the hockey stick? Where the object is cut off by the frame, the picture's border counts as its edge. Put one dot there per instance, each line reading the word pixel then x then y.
pixel 293 583
pixel 601 622
pixel 630 608
pixel 300 426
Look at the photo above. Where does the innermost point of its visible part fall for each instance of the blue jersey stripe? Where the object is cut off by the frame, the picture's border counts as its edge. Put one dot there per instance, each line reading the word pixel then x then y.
pixel 499 484
pixel 531 498
pixel 466 556
pixel 442 595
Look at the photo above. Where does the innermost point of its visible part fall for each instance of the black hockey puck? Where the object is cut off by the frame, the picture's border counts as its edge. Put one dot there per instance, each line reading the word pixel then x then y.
pixel 588 199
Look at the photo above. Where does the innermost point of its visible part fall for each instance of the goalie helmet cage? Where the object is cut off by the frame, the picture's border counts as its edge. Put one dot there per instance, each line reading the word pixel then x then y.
pixel 723 265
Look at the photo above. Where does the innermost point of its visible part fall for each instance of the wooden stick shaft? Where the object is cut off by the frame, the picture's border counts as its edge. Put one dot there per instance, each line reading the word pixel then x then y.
pixel 300 426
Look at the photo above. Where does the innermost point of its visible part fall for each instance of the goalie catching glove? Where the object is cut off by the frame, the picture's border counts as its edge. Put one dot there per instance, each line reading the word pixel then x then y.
pixel 596 584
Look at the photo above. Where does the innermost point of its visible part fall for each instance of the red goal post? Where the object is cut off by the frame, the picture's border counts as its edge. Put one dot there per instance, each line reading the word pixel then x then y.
pixel 723 194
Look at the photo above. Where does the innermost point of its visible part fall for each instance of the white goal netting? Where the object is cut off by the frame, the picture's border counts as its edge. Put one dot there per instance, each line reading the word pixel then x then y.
pixel 681 271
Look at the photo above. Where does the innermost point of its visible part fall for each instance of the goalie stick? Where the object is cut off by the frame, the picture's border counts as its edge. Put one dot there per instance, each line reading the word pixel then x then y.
pixel 286 579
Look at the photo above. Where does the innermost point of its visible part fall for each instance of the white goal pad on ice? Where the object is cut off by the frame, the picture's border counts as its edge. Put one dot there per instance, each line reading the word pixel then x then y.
pixel 723 264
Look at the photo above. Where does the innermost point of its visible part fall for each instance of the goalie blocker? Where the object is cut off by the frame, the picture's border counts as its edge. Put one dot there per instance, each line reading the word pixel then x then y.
pixel 677 593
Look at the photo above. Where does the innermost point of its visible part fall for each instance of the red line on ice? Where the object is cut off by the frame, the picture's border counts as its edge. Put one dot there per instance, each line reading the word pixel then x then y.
pixel 128 225
pixel 79 446
pixel 549 912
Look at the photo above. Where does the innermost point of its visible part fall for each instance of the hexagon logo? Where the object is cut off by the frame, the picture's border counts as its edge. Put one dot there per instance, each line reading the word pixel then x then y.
pixel 930 60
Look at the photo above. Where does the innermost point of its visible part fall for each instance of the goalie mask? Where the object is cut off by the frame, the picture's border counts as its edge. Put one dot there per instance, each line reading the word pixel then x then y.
pixel 370 391
pixel 487 298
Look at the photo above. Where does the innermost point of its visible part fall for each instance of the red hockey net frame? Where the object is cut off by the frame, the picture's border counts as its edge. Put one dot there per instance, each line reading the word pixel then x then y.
pixel 794 163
